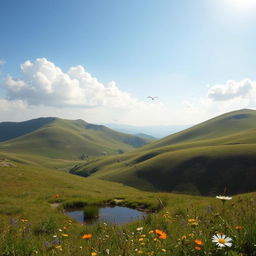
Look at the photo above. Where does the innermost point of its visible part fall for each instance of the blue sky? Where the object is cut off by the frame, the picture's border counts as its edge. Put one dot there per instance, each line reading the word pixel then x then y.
pixel 197 56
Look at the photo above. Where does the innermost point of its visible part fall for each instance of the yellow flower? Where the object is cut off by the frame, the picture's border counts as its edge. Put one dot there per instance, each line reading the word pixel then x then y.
pixel 93 254
pixel 151 232
pixel 141 239
pixel 58 247
pixel 65 235
pixel 140 252
pixel 163 250
pixel 143 235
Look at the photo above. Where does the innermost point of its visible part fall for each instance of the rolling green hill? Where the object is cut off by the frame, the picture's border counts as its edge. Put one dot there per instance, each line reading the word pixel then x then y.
pixel 210 158
pixel 65 139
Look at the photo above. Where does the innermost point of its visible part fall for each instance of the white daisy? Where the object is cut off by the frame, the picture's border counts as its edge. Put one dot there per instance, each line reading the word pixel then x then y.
pixel 224 197
pixel 222 240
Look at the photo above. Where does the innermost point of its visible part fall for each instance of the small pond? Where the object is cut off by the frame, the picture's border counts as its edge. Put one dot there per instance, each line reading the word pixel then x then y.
pixel 110 215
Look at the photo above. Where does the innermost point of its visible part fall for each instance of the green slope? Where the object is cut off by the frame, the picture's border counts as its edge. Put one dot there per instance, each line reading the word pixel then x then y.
pixel 67 139
pixel 224 125
pixel 207 159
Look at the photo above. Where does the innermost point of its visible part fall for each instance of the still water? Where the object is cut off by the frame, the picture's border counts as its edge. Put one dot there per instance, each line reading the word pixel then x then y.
pixel 111 215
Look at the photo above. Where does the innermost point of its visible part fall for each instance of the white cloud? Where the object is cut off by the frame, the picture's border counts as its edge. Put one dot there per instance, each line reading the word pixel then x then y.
pixel 43 89
pixel 245 89
pixel 43 83
pixel 46 90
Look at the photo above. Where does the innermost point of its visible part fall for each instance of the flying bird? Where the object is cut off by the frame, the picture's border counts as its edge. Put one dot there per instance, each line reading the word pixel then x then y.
pixel 152 98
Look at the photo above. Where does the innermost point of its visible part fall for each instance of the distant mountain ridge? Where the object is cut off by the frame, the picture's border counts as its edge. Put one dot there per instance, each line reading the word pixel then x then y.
pixel 68 139
pixel 156 131
pixel 207 159
pixel 10 130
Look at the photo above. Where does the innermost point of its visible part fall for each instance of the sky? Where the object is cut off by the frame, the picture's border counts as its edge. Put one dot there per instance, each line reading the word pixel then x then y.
pixel 99 60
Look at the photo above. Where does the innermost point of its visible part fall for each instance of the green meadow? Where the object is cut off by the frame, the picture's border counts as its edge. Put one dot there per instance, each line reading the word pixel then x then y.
pixel 36 188
pixel 33 222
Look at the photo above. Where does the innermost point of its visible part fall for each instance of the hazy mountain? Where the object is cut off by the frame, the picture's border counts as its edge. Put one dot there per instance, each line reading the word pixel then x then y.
pixel 158 131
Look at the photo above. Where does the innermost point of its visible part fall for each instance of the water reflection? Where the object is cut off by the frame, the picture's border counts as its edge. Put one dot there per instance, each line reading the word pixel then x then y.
pixel 111 215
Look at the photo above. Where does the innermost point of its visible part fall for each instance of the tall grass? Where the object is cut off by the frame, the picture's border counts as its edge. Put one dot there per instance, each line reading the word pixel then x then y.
pixel 180 230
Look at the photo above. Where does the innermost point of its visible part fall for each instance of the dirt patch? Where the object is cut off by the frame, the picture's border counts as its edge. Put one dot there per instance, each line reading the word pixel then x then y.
pixel 6 163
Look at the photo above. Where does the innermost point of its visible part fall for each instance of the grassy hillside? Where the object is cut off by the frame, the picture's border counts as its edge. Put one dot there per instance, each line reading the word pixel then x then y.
pixel 32 221
pixel 58 138
pixel 221 126
pixel 211 157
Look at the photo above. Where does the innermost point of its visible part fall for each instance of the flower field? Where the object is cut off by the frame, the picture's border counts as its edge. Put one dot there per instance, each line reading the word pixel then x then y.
pixel 191 229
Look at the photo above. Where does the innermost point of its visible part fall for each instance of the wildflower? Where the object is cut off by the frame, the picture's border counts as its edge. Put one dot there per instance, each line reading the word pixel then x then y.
pixel 160 234
pixel 58 247
pixel 143 235
pixel 87 236
pixel 140 252
pixel 183 237
pixel 24 220
pixel 238 227
pixel 60 229
pixel 163 250
pixel 198 248
pixel 64 235
pixel 139 229
pixel 151 231
pixel 107 251
pixel 222 240
pixel 193 222
pixel 56 196
pixel 93 254
pixel 224 198
pixel 199 242
pixel 141 239
pixel 65 227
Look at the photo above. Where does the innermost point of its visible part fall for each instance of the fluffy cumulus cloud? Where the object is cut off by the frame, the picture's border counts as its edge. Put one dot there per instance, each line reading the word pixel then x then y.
pixel 43 83
pixel 2 62
pixel 244 89
pixel 43 89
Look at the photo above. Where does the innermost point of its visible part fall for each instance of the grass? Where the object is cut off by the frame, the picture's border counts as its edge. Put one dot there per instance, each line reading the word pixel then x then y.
pixel 65 139
pixel 199 160
pixel 35 191
pixel 32 221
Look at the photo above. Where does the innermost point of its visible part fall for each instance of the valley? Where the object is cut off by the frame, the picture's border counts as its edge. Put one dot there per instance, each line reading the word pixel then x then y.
pixel 175 179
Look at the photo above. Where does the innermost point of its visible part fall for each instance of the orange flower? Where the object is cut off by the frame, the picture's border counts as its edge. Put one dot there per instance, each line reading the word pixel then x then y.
pixel 57 196
pixel 87 236
pixel 197 248
pixel 65 227
pixel 238 227
pixel 199 242
pixel 160 234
